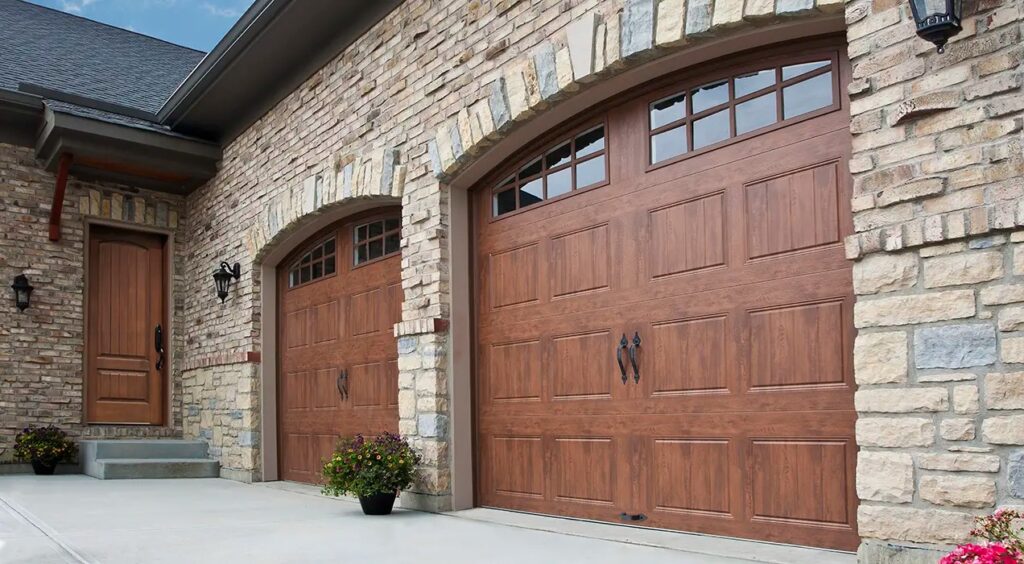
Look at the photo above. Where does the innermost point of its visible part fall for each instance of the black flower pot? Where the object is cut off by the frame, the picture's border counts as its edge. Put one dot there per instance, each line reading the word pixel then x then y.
pixel 43 468
pixel 378 504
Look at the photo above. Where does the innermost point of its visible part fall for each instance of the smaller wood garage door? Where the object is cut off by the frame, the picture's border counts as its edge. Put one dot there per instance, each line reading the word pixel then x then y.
pixel 664 310
pixel 340 295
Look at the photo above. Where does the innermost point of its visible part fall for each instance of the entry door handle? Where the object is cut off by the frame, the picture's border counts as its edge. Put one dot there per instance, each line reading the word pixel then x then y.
pixel 632 356
pixel 158 344
pixel 618 357
pixel 342 383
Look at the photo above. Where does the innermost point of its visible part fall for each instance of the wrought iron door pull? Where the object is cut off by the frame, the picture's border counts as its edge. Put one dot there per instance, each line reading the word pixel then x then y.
pixel 158 343
pixel 342 384
pixel 632 356
pixel 618 356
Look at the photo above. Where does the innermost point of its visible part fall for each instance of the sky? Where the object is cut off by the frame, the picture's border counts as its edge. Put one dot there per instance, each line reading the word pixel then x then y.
pixel 198 24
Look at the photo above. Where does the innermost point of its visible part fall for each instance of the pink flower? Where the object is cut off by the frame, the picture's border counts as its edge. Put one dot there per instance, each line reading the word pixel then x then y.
pixel 988 553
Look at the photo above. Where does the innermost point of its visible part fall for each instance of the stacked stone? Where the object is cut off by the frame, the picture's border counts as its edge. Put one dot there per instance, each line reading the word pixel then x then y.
pixel 42 349
pixel 937 171
pixel 221 406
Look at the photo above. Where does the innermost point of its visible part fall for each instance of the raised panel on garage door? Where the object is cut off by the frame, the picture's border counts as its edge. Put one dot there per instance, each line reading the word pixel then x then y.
pixel 338 372
pixel 672 347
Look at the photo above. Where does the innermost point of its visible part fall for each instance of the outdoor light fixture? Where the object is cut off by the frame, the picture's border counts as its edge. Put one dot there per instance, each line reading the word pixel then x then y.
pixel 937 20
pixel 22 291
pixel 223 278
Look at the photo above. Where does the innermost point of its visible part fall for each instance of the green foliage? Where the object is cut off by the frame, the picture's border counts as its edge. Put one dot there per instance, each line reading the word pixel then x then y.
pixel 365 467
pixel 46 445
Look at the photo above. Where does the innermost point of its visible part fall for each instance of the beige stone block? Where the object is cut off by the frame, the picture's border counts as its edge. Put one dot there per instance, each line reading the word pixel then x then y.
pixel 906 310
pixel 1018 259
pixel 1012 349
pixel 759 9
pixel 965 399
pixel 1002 294
pixel 963 491
pixel 671 23
pixel 895 432
pixel 902 400
pixel 915 525
pixel 1004 391
pixel 1011 318
pixel 880 358
pixel 957 429
pixel 958 462
pixel 727 13
pixel 885 272
pixel 964 268
pixel 580 36
pixel 885 476
pixel 1005 430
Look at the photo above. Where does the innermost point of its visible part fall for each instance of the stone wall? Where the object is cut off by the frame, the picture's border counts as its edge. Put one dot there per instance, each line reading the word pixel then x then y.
pixel 937 198
pixel 42 348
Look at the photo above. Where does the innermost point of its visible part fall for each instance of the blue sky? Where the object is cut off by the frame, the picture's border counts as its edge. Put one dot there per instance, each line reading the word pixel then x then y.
pixel 198 24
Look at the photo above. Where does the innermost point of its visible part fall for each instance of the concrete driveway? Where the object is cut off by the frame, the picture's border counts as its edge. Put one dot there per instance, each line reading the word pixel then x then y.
pixel 74 519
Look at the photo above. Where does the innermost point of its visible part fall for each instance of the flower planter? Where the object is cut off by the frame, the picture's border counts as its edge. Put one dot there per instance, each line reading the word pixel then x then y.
pixel 43 469
pixel 378 504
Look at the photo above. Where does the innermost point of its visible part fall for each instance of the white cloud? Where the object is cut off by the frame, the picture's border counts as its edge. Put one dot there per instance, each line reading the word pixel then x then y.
pixel 223 12
pixel 76 6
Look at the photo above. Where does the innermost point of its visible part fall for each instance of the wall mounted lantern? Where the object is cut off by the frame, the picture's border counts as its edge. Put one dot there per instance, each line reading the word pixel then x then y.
pixel 22 291
pixel 222 278
pixel 937 20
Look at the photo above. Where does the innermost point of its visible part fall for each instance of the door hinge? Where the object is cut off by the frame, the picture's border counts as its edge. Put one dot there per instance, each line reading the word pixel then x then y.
pixel 632 516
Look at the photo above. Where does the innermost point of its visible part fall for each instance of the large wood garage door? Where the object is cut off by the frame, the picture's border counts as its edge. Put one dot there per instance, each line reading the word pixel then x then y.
pixel 664 318
pixel 340 295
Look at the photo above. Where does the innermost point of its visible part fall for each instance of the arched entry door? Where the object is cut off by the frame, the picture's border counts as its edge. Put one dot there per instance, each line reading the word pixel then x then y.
pixel 339 296
pixel 664 309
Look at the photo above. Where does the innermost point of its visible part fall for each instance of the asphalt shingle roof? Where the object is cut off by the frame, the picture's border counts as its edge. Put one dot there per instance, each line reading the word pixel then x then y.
pixel 71 54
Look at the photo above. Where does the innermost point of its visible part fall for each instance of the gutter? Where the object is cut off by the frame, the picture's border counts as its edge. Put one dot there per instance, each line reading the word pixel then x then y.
pixel 208 71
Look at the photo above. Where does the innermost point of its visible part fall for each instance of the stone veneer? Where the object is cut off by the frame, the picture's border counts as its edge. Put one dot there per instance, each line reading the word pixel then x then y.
pixel 42 348
pixel 939 275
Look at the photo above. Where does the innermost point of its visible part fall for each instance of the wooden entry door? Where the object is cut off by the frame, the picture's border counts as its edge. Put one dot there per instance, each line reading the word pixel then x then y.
pixel 127 295
pixel 339 297
pixel 670 345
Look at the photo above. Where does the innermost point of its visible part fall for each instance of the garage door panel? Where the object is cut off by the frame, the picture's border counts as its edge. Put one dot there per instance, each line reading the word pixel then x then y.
pixel 688 356
pixel 799 345
pixel 514 276
pixel 692 475
pixel 579 367
pixel 326 322
pixel 514 371
pixel 687 236
pixel 800 480
pixel 580 261
pixel 795 211
pixel 517 465
pixel 366 312
pixel 584 469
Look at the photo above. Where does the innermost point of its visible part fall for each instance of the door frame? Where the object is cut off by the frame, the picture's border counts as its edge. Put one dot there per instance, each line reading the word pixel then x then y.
pixel 168 315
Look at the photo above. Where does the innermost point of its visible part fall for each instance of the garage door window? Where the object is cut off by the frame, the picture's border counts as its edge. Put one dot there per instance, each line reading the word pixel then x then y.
pixel 376 239
pixel 711 114
pixel 316 263
pixel 572 164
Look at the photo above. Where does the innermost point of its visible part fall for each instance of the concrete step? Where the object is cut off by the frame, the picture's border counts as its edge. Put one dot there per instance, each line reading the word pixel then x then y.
pixel 143 448
pixel 153 468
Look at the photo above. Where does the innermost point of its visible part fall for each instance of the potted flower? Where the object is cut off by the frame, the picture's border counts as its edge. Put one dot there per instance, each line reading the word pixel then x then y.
pixel 1003 544
pixel 44 447
pixel 375 470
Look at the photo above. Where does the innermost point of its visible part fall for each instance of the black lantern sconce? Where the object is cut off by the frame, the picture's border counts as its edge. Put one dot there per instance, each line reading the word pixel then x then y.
pixel 22 292
pixel 937 20
pixel 222 278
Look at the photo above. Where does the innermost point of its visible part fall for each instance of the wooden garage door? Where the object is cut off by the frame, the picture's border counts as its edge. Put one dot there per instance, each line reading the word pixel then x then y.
pixel 340 295
pixel 664 311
